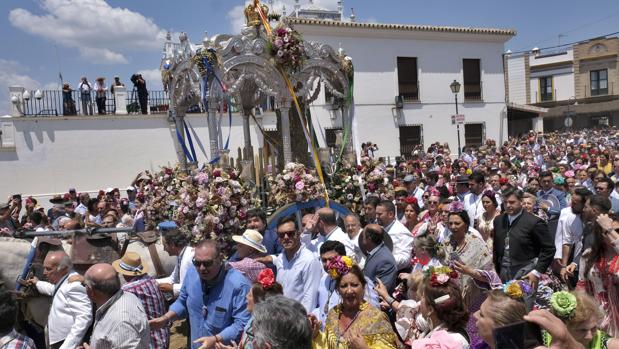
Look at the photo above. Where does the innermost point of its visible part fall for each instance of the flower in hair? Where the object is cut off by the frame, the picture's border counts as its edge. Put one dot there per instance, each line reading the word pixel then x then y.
pixel 563 304
pixel 517 289
pixel 440 276
pixel 266 278
pixel 338 266
pixel 456 206
pixel 503 180
pixel 411 200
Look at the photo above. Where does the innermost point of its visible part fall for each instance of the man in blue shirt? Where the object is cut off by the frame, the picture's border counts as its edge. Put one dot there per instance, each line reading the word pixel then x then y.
pixel 546 181
pixel 257 220
pixel 213 296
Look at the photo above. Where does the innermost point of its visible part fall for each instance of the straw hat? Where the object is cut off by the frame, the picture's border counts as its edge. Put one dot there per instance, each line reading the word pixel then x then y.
pixel 251 238
pixel 130 264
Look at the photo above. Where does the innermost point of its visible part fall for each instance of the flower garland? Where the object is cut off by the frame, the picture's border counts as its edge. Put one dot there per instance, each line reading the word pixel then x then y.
pixel 207 203
pixel 517 289
pixel 287 48
pixel 563 304
pixel 339 266
pixel 295 183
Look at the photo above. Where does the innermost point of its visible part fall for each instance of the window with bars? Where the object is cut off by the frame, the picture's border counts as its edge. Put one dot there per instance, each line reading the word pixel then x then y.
pixel 408 83
pixel 599 82
pixel 546 89
pixel 474 134
pixel 410 136
pixel 471 71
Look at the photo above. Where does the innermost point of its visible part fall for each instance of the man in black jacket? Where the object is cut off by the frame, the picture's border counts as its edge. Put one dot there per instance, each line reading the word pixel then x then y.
pixel 523 246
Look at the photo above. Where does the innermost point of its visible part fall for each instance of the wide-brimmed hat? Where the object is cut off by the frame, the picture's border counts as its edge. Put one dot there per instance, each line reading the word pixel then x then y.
pixel 58 199
pixel 251 238
pixel 130 264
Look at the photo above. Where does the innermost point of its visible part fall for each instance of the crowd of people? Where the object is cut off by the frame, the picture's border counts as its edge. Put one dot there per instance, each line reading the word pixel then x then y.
pixel 99 90
pixel 476 251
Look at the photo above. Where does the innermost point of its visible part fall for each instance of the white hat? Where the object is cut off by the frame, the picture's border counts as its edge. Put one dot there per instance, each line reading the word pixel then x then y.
pixel 109 190
pixel 251 238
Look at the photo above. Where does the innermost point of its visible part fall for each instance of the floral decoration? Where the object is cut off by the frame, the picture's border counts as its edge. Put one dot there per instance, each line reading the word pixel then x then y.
pixel 287 48
pixel 439 276
pixel 266 278
pixel 339 266
pixel 295 183
pixel 563 304
pixel 206 203
pixel 517 289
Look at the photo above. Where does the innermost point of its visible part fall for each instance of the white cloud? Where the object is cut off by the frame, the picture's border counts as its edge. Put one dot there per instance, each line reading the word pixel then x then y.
pixel 14 74
pixel 102 56
pixel 236 16
pixel 99 31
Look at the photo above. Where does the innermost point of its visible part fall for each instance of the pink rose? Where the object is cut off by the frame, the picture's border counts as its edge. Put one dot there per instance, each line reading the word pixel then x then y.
pixel 299 185
pixel 442 278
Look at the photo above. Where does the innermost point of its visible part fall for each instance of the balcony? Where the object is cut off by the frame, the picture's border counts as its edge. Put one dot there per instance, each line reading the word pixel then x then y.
pixel 409 91
pixel 473 92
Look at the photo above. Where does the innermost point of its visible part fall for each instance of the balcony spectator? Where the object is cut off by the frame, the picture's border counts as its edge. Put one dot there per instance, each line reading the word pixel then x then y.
pixel 85 89
pixel 116 83
pixel 140 85
pixel 100 90
pixel 68 104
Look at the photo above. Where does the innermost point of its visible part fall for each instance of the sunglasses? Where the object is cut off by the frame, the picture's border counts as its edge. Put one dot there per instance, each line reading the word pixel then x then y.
pixel 205 264
pixel 283 234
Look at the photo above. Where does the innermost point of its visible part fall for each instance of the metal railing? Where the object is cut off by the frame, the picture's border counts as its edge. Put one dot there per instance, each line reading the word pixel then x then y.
pixel 473 92
pixel 58 102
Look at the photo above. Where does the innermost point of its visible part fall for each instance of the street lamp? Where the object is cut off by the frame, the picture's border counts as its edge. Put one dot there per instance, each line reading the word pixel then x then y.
pixel 455 88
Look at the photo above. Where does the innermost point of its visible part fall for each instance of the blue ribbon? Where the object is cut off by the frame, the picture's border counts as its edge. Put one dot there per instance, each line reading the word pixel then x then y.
pixel 195 135
pixel 193 150
pixel 181 141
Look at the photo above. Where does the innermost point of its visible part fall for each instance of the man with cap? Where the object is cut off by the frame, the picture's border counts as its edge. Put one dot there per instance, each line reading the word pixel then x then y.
pixel 462 187
pixel 131 196
pixel 142 285
pixel 412 187
pixel 249 247
pixel 176 244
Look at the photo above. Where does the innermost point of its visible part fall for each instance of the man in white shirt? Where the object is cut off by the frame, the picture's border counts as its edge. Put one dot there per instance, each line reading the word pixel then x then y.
pixel 71 311
pixel 353 229
pixel 569 233
pixel 82 208
pixel 175 244
pixel 472 200
pixel 298 270
pixel 402 238
pixel 85 89
pixel 325 222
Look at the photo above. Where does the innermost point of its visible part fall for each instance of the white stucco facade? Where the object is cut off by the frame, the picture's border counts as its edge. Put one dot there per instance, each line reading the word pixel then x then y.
pixel 439 62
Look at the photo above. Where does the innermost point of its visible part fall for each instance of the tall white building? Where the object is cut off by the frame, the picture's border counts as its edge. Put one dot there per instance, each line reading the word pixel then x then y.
pixel 416 64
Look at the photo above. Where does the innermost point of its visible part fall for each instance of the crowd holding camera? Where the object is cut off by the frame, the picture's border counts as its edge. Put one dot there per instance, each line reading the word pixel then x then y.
pixel 512 245
pixel 94 95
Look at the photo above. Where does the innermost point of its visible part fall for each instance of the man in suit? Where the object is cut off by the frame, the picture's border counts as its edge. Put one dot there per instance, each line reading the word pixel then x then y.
pixel 71 312
pixel 400 235
pixel 379 263
pixel 523 246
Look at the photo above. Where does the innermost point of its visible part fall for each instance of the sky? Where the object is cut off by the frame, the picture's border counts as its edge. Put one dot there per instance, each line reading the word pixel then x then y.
pixel 40 38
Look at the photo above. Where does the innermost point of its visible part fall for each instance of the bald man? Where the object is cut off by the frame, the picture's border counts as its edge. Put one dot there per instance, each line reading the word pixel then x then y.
pixel 71 311
pixel 120 320
pixel 325 223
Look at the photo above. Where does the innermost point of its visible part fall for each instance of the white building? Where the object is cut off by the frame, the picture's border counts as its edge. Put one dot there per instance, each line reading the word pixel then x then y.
pixel 417 63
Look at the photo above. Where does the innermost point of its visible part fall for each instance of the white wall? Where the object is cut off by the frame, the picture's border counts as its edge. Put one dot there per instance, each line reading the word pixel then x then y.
pixel 517 79
pixel 90 153
pixel 439 62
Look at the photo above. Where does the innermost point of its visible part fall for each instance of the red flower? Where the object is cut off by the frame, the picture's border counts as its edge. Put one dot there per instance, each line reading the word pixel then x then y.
pixel 217 173
pixel 453 274
pixel 266 278
pixel 503 181
pixel 411 200
pixel 433 281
